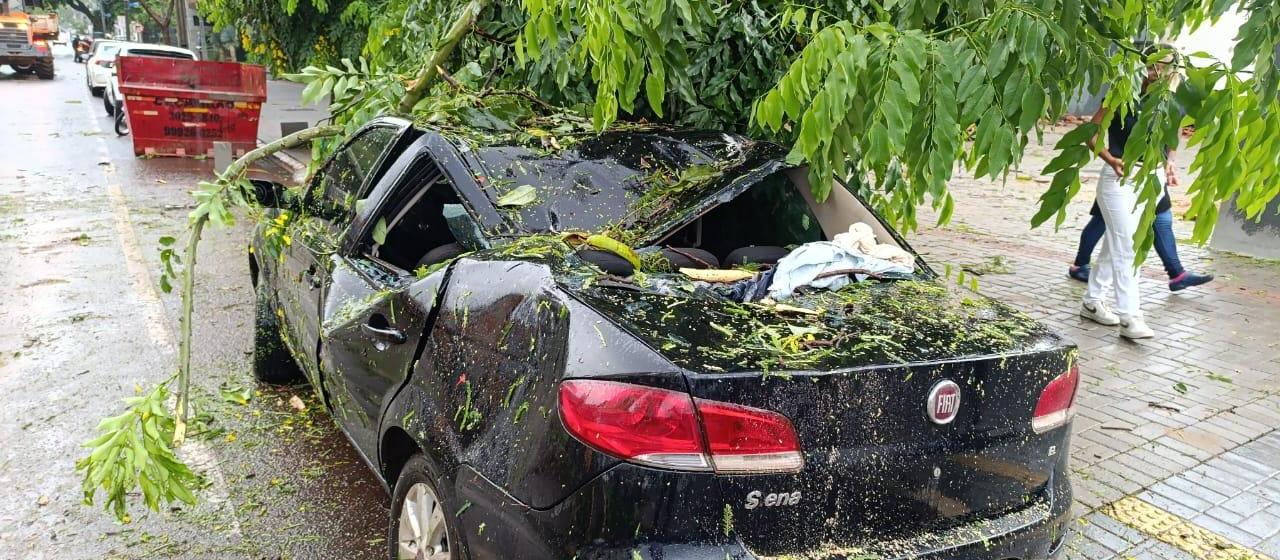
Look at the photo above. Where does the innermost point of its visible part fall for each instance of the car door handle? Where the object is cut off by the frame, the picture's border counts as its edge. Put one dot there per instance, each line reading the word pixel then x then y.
pixel 394 336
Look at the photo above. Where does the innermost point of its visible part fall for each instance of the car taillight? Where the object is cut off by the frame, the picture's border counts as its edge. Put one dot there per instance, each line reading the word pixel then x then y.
pixel 1057 402
pixel 661 428
pixel 743 439
pixel 641 424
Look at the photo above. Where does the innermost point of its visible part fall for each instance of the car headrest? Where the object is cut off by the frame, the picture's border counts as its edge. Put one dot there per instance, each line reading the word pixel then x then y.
pixel 690 257
pixel 440 254
pixel 756 254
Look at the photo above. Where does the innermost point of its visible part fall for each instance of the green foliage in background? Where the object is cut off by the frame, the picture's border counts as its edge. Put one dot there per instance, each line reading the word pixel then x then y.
pixel 288 34
pixel 893 96
pixel 890 98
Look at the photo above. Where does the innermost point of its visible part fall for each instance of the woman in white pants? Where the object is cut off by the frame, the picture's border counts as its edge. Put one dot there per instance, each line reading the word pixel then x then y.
pixel 1117 199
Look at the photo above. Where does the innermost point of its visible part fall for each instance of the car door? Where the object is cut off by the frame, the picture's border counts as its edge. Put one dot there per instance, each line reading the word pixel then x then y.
pixel 316 233
pixel 376 316
pixel 376 312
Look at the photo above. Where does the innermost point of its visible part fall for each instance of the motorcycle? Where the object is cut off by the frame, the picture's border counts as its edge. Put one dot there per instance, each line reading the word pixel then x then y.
pixel 122 121
pixel 82 47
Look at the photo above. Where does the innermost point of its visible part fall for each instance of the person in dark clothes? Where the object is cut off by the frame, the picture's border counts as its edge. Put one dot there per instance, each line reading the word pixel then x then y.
pixel 1165 244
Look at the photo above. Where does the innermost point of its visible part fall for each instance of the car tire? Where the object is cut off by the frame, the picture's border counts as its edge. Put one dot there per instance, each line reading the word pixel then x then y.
pixel 43 69
pixel 106 105
pixel 95 91
pixel 272 362
pixel 418 484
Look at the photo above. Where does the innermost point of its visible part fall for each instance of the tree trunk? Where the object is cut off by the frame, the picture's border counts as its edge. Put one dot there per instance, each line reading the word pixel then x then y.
pixel 163 25
pixel 96 21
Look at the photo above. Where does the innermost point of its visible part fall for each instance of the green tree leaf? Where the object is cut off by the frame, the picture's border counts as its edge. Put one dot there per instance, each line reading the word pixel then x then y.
pixel 380 231
pixel 519 196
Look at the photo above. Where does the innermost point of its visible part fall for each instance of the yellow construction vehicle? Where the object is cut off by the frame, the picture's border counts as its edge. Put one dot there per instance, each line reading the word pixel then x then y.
pixel 26 39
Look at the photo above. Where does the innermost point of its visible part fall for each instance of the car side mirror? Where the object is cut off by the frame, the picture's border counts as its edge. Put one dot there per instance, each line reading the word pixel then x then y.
pixel 272 195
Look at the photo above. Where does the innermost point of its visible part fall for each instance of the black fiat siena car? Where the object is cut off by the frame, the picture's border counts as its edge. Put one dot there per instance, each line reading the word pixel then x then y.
pixel 529 387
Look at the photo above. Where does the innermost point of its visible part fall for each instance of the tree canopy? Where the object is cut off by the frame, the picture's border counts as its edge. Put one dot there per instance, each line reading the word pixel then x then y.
pixel 99 13
pixel 889 97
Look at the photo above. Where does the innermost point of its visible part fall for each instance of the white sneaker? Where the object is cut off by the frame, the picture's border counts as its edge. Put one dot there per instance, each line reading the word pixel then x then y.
pixel 1133 327
pixel 1098 313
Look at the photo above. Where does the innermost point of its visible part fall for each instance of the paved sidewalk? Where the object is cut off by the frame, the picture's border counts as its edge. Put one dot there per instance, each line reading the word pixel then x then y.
pixel 1175 453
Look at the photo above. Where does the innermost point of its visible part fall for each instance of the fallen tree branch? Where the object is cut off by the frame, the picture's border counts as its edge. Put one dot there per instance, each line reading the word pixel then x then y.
pixel 228 180
pixel 134 453
pixel 450 79
pixel 848 271
pixel 135 450
pixel 431 68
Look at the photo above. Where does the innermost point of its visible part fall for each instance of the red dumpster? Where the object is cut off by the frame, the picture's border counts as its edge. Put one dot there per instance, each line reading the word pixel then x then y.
pixel 181 107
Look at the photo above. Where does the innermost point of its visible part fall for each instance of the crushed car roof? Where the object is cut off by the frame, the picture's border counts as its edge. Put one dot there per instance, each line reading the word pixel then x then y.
pixel 630 180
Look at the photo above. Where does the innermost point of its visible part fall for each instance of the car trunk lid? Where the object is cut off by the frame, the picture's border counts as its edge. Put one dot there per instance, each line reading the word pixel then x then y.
pixel 853 371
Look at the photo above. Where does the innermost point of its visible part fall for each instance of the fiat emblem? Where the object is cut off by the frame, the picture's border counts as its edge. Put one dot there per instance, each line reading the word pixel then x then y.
pixel 944 401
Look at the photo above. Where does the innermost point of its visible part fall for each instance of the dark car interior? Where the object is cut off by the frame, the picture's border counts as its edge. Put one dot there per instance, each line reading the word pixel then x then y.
pixel 418 233
pixel 756 228
pixel 759 226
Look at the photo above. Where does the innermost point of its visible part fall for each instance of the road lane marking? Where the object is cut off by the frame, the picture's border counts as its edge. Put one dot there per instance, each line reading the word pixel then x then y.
pixel 1170 529
pixel 198 455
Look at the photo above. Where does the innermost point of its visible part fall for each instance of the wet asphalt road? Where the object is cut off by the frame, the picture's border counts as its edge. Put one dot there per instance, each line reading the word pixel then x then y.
pixel 84 324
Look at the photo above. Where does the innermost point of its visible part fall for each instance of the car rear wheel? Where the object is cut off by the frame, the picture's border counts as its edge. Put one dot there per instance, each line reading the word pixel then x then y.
pixel 43 69
pixel 422 525
pixel 271 360
pixel 106 105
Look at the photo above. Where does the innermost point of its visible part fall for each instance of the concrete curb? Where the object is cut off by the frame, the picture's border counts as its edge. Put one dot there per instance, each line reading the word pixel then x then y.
pixel 290 161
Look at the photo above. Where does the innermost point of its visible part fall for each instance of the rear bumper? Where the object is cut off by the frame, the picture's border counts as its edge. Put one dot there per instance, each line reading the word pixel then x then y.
pixel 98 78
pixel 612 518
pixel 1043 539
pixel 24 50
